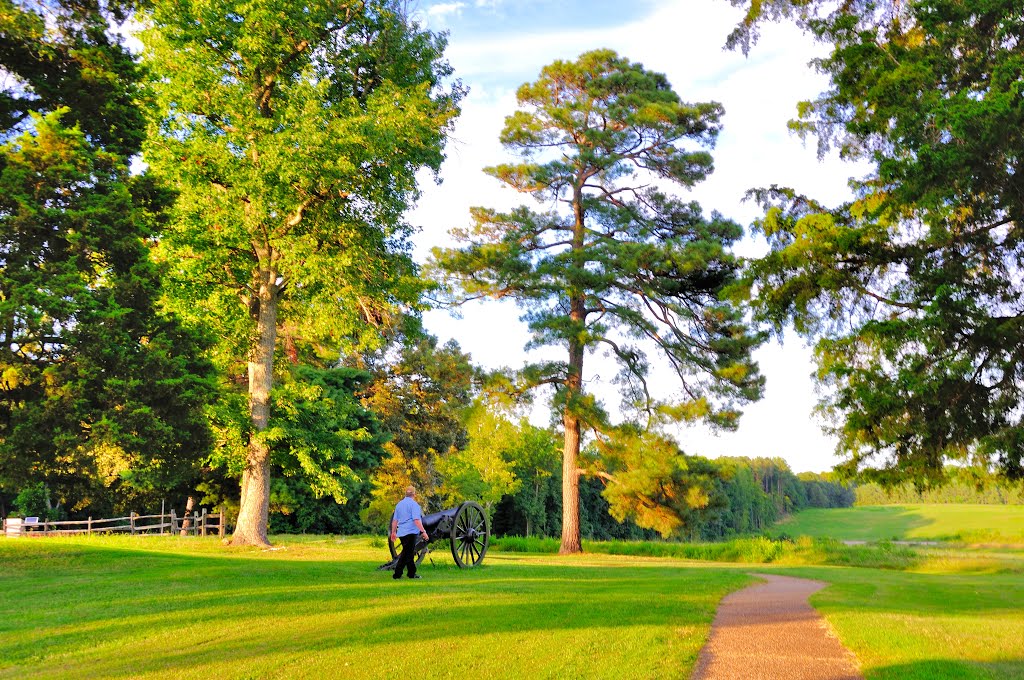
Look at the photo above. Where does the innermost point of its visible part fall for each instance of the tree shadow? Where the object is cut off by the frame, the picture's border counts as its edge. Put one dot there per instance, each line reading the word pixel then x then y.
pixel 941 669
pixel 897 524
pixel 74 610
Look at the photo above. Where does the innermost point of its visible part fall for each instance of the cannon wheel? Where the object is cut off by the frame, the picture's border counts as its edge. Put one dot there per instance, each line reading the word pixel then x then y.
pixel 470 535
pixel 422 548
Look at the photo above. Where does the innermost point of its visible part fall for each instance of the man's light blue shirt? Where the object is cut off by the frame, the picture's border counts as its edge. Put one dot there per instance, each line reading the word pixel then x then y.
pixel 407 512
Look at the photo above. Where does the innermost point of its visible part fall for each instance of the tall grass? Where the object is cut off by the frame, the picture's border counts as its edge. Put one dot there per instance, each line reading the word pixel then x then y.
pixel 756 550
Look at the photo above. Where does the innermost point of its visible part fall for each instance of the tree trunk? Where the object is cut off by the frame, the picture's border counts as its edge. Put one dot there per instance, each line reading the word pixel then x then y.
pixel 251 528
pixel 186 521
pixel 571 542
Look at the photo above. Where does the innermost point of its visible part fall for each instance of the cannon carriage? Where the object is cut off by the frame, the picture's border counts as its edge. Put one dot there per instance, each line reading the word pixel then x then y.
pixel 466 529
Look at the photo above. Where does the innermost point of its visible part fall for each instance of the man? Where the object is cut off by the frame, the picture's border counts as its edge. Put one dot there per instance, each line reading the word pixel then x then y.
pixel 406 525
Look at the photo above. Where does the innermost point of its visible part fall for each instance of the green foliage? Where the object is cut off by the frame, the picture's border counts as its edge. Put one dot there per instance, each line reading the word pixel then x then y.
pixel 34 501
pixel 582 276
pixel 300 161
pixel 483 470
pixel 295 509
pixel 325 446
pixel 321 433
pixel 67 55
pixel 750 508
pixel 536 459
pixel 825 491
pixel 960 486
pixel 420 393
pixel 657 487
pixel 100 392
pixel 293 133
pixel 913 288
pixel 692 498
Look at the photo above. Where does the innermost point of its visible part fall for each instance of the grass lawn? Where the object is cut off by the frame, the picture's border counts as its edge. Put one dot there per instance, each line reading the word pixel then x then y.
pixel 153 607
pixel 315 607
pixel 913 626
pixel 967 523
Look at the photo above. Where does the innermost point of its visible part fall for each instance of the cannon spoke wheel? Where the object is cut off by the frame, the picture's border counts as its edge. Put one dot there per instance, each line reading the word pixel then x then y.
pixel 470 535
pixel 422 548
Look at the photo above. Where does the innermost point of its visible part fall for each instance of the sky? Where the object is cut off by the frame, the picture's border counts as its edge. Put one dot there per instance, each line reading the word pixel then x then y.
pixel 496 45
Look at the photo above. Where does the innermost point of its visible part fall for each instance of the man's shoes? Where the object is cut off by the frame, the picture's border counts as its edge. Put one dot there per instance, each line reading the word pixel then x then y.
pixel 415 576
pixel 396 577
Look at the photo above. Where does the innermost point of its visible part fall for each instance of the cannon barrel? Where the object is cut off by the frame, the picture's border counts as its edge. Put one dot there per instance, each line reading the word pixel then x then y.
pixel 439 523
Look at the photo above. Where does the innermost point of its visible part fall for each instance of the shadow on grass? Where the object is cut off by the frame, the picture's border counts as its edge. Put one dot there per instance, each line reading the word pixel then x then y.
pixel 948 669
pixel 866 523
pixel 109 610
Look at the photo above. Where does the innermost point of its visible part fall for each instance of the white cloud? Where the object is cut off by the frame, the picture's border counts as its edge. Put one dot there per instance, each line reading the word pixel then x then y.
pixel 445 9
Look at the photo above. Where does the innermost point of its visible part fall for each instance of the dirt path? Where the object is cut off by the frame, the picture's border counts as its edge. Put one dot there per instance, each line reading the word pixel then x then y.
pixel 768 631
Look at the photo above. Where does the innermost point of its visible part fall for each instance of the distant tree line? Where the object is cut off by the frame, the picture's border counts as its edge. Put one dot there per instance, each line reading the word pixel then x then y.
pixel 745 495
pixel 962 485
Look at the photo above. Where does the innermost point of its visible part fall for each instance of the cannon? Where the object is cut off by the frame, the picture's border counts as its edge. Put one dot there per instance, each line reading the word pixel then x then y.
pixel 464 526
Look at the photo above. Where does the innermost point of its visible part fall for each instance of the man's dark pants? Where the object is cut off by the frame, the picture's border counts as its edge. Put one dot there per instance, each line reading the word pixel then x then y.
pixel 408 556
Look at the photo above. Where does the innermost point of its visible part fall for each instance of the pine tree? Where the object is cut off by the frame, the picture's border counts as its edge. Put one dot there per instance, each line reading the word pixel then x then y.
pixel 614 263
pixel 102 393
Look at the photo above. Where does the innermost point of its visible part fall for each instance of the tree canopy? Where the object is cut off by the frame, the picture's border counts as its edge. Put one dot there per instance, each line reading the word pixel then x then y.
pixel 615 262
pixel 293 133
pixel 102 393
pixel 914 288
pixel 421 392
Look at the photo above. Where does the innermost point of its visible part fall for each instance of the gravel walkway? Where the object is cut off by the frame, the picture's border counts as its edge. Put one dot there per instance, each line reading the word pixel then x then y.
pixel 768 631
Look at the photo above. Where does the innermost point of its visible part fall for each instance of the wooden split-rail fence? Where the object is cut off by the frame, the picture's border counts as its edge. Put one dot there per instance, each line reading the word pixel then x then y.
pixel 198 523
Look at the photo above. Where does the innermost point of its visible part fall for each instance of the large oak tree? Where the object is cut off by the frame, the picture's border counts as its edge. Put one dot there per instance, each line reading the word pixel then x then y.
pixel 293 132
pixel 614 263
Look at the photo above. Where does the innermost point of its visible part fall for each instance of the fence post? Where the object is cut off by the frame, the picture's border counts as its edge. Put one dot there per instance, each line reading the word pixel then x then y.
pixel 89 526
pixel 204 523
pixel 220 526
pixel 174 522
pixel 131 521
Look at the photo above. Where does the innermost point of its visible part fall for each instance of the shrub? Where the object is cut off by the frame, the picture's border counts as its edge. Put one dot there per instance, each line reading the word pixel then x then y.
pixel 34 501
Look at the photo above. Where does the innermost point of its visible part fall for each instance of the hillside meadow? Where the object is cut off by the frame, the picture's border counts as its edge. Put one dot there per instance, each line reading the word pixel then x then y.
pixel 161 607
pixel 920 522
